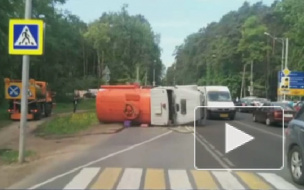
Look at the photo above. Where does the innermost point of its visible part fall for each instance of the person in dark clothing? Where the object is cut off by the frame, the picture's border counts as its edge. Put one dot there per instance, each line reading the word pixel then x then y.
pixel 75 102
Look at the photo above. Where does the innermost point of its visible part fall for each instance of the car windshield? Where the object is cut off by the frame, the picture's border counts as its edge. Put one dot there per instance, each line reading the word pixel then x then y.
pixel 283 105
pixel 217 96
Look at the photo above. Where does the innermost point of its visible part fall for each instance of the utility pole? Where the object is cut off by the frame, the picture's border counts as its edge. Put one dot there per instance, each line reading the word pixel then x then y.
pixel 174 74
pixel 286 61
pixel 137 74
pixel 154 62
pixel 146 77
pixel 283 54
pixel 243 88
pixel 243 78
pixel 24 100
pixel 286 56
pixel 251 79
pixel 153 76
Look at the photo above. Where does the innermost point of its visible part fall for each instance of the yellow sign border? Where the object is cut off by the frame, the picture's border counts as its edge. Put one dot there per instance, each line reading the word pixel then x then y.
pixel 13 51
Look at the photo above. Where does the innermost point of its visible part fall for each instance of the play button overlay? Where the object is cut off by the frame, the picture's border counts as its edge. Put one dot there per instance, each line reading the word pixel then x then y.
pixel 241 143
pixel 235 138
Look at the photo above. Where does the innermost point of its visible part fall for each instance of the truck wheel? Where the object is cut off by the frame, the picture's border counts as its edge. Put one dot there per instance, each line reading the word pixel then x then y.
pixel 47 110
pixel 38 115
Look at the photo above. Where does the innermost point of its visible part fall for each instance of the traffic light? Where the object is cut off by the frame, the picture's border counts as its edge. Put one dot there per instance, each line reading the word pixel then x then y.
pixel 285 83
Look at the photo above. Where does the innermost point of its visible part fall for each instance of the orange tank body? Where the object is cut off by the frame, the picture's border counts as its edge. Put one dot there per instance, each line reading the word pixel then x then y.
pixel 118 103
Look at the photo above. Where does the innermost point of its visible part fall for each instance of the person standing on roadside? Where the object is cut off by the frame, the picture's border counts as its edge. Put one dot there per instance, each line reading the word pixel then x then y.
pixel 75 101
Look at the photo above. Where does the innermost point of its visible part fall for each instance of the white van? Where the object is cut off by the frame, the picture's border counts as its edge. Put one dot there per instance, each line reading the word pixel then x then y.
pixel 219 100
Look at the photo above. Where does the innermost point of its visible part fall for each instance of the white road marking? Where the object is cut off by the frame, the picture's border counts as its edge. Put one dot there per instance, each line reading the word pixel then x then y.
pixel 277 181
pixel 130 179
pixel 216 157
pixel 228 161
pixel 258 129
pixel 82 179
pixel 227 180
pixel 179 179
pixel 218 153
pixel 98 160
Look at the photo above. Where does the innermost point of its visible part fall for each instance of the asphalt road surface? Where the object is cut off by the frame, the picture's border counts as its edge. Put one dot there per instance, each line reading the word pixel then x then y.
pixel 163 158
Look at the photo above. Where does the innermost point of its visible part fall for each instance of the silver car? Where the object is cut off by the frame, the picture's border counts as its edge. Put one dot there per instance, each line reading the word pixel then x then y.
pixel 294 147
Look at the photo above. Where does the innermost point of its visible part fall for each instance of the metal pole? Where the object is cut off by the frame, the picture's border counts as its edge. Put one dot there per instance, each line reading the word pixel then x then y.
pixel 251 79
pixel 282 64
pixel 153 77
pixel 283 51
pixel 286 56
pixel 24 100
pixel 174 74
pixel 243 78
pixel 137 73
pixel 146 77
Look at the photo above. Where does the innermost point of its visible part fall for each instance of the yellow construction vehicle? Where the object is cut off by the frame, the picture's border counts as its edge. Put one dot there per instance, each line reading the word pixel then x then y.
pixel 40 99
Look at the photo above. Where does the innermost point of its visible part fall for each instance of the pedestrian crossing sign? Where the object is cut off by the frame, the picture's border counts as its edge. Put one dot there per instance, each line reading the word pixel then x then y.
pixel 25 37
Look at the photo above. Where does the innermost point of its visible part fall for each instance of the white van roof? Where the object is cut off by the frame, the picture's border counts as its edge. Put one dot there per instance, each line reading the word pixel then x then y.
pixel 216 88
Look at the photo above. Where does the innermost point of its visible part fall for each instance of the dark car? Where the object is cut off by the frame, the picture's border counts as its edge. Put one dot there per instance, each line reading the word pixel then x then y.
pixel 273 115
pixel 245 104
pixel 294 147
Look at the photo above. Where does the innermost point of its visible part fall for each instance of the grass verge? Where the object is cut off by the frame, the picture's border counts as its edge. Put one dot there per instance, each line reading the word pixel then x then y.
pixel 67 125
pixel 85 104
pixel 9 156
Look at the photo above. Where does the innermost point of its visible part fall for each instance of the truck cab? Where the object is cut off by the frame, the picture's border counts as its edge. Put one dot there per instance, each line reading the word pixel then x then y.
pixel 176 105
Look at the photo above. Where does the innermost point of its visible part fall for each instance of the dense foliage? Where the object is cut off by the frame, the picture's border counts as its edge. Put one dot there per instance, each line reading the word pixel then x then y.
pixel 216 54
pixel 76 53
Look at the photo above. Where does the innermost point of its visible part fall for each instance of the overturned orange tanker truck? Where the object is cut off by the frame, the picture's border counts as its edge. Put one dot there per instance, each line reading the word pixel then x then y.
pixel 40 99
pixel 154 106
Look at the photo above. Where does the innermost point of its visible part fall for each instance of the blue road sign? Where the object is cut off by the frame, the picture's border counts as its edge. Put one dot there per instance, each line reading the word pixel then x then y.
pixel 13 91
pixel 296 79
pixel 26 37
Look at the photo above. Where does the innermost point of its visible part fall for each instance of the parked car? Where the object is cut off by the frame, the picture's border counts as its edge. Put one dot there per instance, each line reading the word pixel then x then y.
pixel 259 101
pixel 245 103
pixel 294 147
pixel 273 115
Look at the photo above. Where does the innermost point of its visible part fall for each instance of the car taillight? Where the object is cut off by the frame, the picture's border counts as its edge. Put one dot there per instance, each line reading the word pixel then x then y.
pixel 277 114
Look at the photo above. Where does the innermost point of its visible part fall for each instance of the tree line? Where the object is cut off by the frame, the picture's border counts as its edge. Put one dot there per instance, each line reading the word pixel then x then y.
pixel 217 53
pixel 76 53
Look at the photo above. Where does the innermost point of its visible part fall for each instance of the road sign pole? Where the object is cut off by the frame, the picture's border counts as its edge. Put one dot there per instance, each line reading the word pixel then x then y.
pixel 24 101
pixel 286 56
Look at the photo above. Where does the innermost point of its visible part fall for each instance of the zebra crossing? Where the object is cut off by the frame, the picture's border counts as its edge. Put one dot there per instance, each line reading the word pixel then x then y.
pixel 158 178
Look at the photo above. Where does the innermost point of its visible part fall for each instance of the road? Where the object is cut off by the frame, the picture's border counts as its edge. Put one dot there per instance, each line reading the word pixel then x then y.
pixel 163 158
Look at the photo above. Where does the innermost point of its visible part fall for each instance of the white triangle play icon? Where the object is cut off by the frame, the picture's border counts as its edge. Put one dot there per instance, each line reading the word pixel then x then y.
pixel 26 38
pixel 235 138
